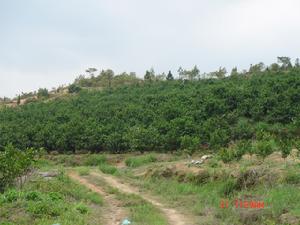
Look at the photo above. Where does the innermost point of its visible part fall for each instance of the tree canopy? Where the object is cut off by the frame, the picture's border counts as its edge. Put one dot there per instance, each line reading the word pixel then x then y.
pixel 163 115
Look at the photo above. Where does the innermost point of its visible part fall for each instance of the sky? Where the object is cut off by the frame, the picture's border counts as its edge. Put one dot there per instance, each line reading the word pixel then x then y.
pixel 46 43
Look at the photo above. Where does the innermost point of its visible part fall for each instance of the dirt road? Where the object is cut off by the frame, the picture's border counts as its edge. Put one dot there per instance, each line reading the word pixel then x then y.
pixel 172 215
pixel 113 213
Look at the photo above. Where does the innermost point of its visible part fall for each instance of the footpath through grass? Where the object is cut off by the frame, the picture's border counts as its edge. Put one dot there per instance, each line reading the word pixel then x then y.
pixel 141 211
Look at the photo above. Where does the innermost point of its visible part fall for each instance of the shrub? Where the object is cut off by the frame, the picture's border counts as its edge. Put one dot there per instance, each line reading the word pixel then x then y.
pixel 33 196
pixel 241 148
pixel 243 129
pixel 43 92
pixel 73 88
pixel 14 163
pixel 226 155
pixel 265 147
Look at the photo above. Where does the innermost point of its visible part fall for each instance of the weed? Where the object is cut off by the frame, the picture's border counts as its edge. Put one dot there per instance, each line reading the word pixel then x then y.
pixel 33 196
pixel 95 160
pixel 83 171
pixel 95 198
pixel 11 196
pixel 140 160
pixel 228 187
pixel 82 208
pixel 108 169
pixel 45 207
pixel 292 177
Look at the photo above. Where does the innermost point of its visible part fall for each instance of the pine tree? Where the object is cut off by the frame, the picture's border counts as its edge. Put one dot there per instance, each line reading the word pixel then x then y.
pixel 170 76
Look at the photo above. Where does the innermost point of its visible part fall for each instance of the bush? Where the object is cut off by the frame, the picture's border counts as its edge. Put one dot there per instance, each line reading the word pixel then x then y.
pixel 243 130
pixel 14 163
pixel 189 144
pixel 33 196
pixel 227 155
pixel 265 147
pixel 73 88
pixel 43 92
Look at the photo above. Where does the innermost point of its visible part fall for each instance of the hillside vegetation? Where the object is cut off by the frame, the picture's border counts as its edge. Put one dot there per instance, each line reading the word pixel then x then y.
pixel 256 112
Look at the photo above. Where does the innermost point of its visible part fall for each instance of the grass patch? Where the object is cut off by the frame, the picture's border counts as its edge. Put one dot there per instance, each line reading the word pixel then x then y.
pixel 292 177
pixel 83 171
pixel 109 169
pixel 141 212
pixel 140 160
pixel 43 202
pixel 95 160
pixel 82 208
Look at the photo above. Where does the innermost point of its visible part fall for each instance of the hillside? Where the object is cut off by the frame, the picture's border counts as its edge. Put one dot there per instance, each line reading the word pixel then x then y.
pixel 222 150
pixel 249 111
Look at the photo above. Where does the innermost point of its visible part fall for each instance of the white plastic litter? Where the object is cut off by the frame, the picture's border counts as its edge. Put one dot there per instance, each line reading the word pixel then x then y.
pixel 126 222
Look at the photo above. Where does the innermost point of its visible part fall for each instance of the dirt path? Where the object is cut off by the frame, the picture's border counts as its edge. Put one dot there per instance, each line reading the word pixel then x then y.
pixel 172 215
pixel 113 212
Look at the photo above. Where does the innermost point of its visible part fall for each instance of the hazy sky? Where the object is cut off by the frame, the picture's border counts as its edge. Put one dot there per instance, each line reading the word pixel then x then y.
pixel 44 43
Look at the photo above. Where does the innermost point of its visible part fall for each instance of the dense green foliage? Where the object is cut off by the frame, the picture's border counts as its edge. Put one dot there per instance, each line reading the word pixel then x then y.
pixel 14 164
pixel 262 108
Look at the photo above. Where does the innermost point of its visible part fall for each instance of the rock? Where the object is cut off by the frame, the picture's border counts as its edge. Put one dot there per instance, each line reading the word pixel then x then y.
pixel 287 218
pixel 294 153
pixel 205 157
pixel 293 157
pixel 48 174
pixel 126 222
pixel 246 157
pixel 275 157
pixel 194 163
